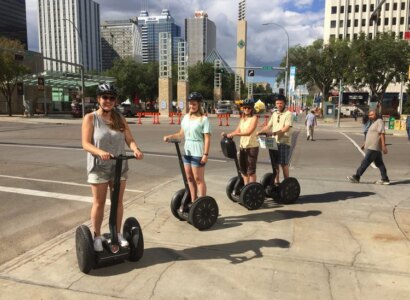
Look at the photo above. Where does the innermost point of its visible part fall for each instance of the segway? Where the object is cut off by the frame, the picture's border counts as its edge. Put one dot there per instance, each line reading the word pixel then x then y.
pixel 251 195
pixel 112 252
pixel 288 191
pixel 203 212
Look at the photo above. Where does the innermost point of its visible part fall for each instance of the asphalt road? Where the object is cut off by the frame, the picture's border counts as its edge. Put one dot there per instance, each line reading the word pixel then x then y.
pixel 43 192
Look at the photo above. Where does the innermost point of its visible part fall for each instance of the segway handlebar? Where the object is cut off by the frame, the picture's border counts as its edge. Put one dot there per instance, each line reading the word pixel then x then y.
pixel 266 134
pixel 122 157
pixel 175 141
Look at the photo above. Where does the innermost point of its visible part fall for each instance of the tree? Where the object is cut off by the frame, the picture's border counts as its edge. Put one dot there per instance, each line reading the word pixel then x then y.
pixel 379 62
pixel 10 68
pixel 201 79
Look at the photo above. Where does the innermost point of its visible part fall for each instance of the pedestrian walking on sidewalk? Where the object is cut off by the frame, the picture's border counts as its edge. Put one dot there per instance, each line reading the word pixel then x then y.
pixel 104 134
pixel 196 130
pixel 280 124
pixel 310 123
pixel 408 127
pixel 374 145
pixel 249 146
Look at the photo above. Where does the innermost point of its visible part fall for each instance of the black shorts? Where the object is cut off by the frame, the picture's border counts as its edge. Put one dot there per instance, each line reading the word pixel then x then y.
pixel 247 160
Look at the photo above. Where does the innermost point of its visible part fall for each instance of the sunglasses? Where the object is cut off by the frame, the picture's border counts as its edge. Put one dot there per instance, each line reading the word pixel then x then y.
pixel 247 107
pixel 111 98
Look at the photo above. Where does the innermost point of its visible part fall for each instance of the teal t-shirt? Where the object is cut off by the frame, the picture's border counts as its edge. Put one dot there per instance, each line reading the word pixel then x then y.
pixel 194 130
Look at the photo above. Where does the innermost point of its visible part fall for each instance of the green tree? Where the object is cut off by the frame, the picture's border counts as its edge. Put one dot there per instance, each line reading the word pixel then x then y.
pixel 378 62
pixel 201 79
pixel 10 68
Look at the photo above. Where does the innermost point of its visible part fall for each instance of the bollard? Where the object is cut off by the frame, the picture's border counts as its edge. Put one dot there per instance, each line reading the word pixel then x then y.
pixel 139 118
pixel 179 119
pixel 227 118
pixel 172 118
pixel 220 120
pixel 157 120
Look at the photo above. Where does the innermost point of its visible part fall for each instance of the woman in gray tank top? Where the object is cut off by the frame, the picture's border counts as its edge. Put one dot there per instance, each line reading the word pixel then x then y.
pixel 105 133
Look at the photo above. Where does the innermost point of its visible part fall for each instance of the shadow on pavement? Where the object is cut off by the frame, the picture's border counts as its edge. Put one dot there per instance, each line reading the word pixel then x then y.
pixel 400 182
pixel 235 252
pixel 333 196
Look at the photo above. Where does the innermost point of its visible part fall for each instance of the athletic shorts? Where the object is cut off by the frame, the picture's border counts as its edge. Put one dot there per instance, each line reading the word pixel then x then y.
pixel 247 160
pixel 193 161
pixel 97 177
pixel 283 157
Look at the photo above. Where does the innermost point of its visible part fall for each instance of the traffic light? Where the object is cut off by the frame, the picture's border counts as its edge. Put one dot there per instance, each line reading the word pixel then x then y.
pixel 20 88
pixel 251 73
pixel 40 83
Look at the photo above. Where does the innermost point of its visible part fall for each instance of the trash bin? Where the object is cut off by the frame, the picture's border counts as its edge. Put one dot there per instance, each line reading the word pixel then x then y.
pixel 391 122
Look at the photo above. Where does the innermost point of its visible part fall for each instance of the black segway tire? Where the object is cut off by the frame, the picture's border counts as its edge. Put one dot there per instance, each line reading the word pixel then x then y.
pixel 252 195
pixel 84 245
pixel 289 191
pixel 132 232
pixel 267 181
pixel 203 213
pixel 176 203
pixel 231 186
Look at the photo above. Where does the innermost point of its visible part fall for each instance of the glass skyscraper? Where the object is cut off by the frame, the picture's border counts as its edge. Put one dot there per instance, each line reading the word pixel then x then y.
pixel 13 20
pixel 151 26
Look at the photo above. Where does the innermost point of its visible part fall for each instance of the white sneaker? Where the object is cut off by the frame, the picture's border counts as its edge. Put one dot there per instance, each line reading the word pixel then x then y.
pixel 123 242
pixel 98 247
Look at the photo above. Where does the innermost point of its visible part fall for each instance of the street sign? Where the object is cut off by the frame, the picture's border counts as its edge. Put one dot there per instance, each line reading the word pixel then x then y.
pixel 267 68
pixel 251 73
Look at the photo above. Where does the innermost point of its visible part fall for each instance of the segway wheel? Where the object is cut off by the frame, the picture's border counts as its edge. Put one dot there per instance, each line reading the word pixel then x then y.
pixel 84 246
pixel 289 191
pixel 203 213
pixel 267 182
pixel 176 203
pixel 230 188
pixel 252 195
pixel 133 234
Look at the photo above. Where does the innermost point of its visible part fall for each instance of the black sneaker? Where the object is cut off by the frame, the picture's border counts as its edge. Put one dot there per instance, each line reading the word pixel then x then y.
pixel 353 179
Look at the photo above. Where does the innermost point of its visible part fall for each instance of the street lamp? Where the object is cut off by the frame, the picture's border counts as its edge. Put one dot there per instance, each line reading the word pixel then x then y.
pixel 81 65
pixel 287 54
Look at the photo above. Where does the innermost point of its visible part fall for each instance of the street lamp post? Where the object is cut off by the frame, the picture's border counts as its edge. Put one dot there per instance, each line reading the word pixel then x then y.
pixel 82 65
pixel 287 54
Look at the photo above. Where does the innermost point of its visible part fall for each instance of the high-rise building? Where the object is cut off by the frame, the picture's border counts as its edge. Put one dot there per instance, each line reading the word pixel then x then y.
pixel 120 39
pixel 13 20
pixel 69 31
pixel 151 26
pixel 200 34
pixel 346 19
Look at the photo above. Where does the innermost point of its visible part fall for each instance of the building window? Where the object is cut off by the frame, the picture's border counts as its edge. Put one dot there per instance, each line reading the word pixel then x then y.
pixel 340 36
pixel 347 36
pixel 341 23
pixel 371 7
pixel 401 20
pixel 334 10
pixel 364 7
pixel 348 23
pixel 356 22
pixel 332 37
pixel 332 24
pixel 387 6
pixel 356 8
pixel 394 21
pixel 355 36
pixel 386 21
pixel 363 22
pixel 349 9
pixel 342 9
pixel 395 6
pixel 370 35
pixel 403 6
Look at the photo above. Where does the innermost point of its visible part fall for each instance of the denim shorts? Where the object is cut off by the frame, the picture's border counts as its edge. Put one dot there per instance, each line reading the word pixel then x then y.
pixel 97 177
pixel 194 161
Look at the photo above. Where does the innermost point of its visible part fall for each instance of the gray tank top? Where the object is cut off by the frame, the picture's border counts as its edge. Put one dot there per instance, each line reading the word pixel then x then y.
pixel 108 140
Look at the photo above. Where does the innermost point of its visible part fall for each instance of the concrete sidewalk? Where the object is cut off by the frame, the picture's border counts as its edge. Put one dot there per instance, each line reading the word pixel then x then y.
pixel 334 243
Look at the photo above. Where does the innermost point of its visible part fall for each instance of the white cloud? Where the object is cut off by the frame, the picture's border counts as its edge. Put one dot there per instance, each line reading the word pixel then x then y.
pixel 266 44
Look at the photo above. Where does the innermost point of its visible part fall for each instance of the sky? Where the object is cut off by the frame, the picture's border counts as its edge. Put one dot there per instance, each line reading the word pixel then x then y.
pixel 267 45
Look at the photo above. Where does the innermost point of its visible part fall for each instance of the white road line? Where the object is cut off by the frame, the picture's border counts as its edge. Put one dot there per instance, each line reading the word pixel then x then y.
pixel 59 182
pixel 358 147
pixel 45 194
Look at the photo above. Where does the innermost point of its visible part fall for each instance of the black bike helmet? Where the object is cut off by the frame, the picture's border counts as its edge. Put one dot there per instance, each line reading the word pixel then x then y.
pixel 195 96
pixel 106 88
pixel 280 97
pixel 248 102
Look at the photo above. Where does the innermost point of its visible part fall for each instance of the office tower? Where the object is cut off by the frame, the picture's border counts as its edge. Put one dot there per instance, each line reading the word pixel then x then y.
pixel 69 30
pixel 241 40
pixel 200 34
pixel 13 20
pixel 151 26
pixel 346 19
pixel 120 39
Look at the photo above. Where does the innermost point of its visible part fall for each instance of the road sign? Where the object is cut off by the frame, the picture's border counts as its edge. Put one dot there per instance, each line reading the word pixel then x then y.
pixel 267 68
pixel 251 73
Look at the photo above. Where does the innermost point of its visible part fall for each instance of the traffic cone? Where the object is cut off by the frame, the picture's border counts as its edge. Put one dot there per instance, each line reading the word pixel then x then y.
pixel 139 118
pixel 172 118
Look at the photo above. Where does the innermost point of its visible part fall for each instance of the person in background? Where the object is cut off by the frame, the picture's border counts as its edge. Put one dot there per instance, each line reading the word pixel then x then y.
pixel 311 123
pixel 374 145
pixel 104 134
pixel 249 146
pixel 366 124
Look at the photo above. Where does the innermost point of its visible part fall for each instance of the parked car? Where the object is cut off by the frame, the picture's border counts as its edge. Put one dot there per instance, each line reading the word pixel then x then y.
pixel 128 110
